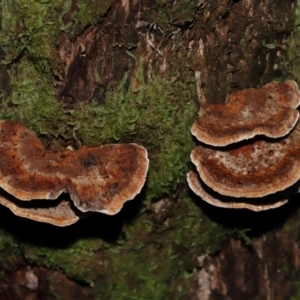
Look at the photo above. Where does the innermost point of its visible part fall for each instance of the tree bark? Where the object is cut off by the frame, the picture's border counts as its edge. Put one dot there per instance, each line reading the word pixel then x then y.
pixel 88 72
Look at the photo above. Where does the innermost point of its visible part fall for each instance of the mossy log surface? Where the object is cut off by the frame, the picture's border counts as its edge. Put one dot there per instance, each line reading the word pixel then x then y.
pixel 89 72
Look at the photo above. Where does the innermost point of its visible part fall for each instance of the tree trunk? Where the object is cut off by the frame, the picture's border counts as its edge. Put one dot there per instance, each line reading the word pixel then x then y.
pixel 90 72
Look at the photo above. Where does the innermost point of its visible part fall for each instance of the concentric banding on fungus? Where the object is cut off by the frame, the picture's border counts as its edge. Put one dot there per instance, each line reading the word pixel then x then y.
pixel 60 214
pixel 98 179
pixel 250 169
pixel 218 200
pixel 269 111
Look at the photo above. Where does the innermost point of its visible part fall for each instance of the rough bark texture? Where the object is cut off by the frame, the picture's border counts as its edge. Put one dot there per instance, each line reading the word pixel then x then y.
pixel 84 72
pixel 221 41
pixel 260 271
pixel 266 268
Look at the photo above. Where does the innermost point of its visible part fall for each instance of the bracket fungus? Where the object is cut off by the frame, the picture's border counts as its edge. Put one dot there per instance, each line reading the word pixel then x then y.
pixel 216 199
pixel 59 214
pixel 269 111
pixel 99 179
pixel 250 148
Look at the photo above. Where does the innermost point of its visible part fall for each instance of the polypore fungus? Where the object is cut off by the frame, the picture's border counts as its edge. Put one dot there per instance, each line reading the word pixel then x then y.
pixel 255 168
pixel 269 111
pixel 216 199
pixel 98 179
pixel 249 155
pixel 58 214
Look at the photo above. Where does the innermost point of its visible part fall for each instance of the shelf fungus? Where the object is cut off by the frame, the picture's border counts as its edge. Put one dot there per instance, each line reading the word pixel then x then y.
pixel 58 213
pixel 216 199
pixel 251 160
pixel 98 179
pixel 269 111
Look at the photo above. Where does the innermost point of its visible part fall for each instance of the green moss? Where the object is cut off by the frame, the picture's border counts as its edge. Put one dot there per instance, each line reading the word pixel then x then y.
pixel 291 63
pixel 168 252
pixel 32 100
pixel 151 115
pixel 165 13
pixel 89 11
pixel 76 259
pixel 157 114
pixel 9 253
pixel 149 259
pixel 30 26
pixel 158 14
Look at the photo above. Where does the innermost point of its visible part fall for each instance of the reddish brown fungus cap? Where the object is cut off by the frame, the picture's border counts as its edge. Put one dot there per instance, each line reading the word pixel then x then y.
pixel 250 169
pixel 97 178
pixel 60 214
pixel 216 199
pixel 269 111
